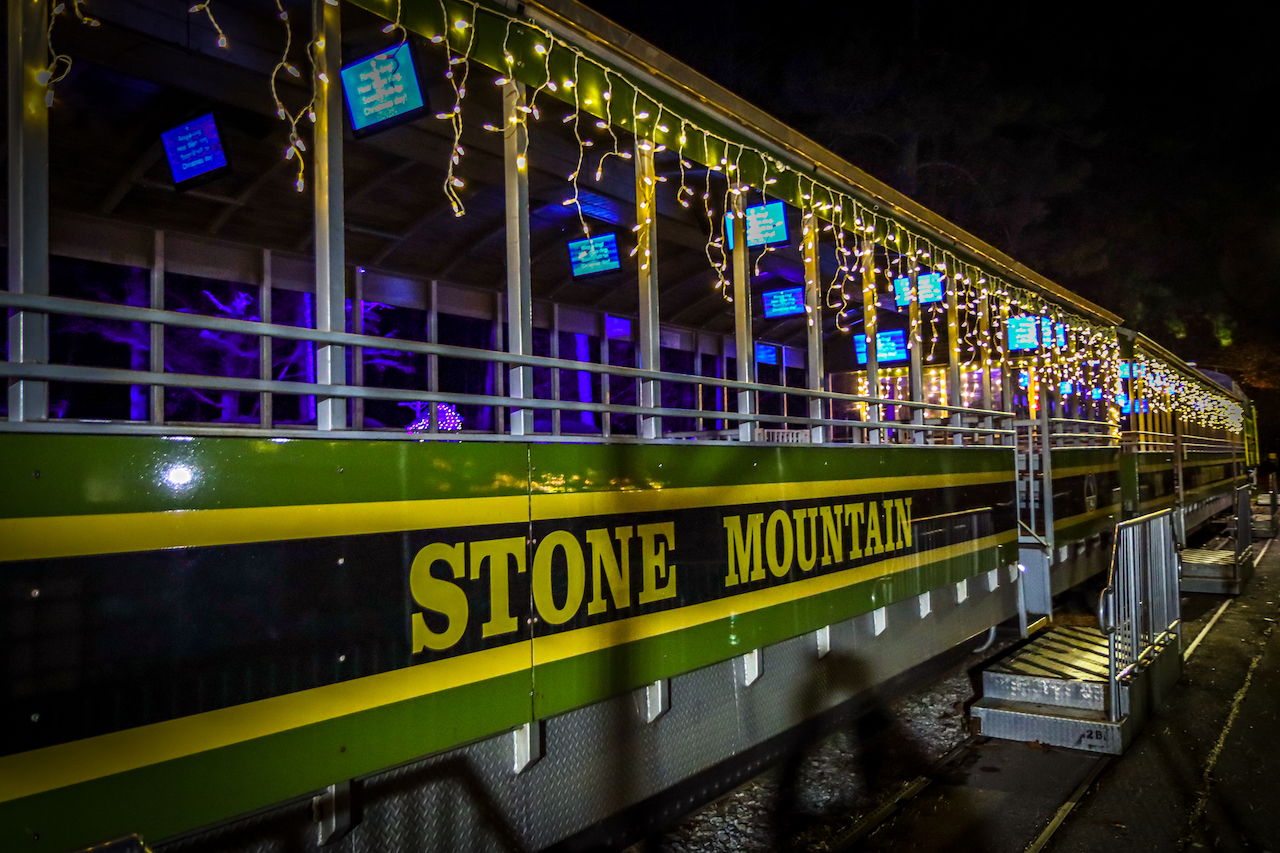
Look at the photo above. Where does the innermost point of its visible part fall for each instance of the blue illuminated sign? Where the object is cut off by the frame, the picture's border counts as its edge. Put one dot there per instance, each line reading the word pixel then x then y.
pixel 766 354
pixel 193 149
pixel 1023 333
pixel 783 303
pixel 766 225
pixel 594 255
pixel 890 346
pixel 1060 332
pixel 928 289
pixel 382 87
pixel 1066 388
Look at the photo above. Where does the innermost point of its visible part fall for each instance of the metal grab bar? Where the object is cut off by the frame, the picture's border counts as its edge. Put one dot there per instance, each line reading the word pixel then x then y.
pixel 106 311
pixel 121 376
pixel 1139 610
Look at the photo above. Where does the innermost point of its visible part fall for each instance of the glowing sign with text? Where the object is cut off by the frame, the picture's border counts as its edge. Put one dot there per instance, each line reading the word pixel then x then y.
pixel 594 255
pixel 783 303
pixel 766 354
pixel 1023 333
pixel 193 149
pixel 928 289
pixel 766 225
pixel 890 346
pixel 381 88
pixel 1059 332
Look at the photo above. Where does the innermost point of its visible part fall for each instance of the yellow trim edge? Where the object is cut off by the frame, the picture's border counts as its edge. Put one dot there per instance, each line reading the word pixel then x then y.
pixel 33 772
pixel 595 637
pixel 116 533
pixel 39 770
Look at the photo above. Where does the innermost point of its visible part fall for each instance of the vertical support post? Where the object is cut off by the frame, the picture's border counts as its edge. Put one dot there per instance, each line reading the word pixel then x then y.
pixel 555 373
pixel 1046 469
pixel 499 377
pixel 781 357
pixel 265 414
pixel 985 356
pixel 1136 414
pixel 515 145
pixel 331 285
pixel 916 379
pixel 1006 381
pixel 743 341
pixel 433 360
pixel 606 420
pixel 28 200
pixel 357 353
pixel 648 352
pixel 155 396
pixel 954 387
pixel 700 388
pixel 870 305
pixel 815 367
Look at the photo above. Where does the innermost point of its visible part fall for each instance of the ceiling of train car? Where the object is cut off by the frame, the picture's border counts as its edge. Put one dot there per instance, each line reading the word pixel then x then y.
pixel 130 82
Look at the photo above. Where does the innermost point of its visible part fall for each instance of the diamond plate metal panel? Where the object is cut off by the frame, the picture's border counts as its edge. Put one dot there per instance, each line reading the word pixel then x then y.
pixel 1052 727
pixel 605 757
pixel 1065 693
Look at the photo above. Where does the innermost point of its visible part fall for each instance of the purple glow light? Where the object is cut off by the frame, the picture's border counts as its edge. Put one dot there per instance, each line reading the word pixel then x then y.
pixel 447 417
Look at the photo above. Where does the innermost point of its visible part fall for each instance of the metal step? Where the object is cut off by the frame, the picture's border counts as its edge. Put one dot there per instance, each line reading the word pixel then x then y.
pixel 1207 563
pixel 1072 713
pixel 1216 572
pixel 1065 667
pixel 1072 728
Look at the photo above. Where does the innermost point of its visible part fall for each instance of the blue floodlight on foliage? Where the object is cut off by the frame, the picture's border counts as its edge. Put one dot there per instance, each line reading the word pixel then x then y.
pixel 194 150
pixel 382 89
pixel 783 303
pixel 594 255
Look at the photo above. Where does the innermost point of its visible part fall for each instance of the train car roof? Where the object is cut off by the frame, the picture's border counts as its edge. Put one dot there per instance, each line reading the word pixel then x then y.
pixel 633 53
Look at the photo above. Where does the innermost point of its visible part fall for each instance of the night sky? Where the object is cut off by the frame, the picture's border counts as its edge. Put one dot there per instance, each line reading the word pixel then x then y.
pixel 1128 154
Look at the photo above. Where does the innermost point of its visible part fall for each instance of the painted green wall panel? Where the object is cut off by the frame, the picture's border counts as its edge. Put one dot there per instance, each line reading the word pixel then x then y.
pixel 594 467
pixel 183 794
pixel 53 475
pixel 562 685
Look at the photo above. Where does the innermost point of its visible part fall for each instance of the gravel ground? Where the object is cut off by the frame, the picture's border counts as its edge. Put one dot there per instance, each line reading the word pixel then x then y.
pixel 832 790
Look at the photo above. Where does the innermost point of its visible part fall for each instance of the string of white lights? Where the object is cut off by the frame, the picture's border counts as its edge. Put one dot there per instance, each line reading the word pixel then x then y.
pixel 869 228
pixel 60 63
pixel 204 7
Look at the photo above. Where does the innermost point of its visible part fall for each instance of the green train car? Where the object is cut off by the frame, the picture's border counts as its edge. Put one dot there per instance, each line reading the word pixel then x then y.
pixel 502 469
pixel 224 623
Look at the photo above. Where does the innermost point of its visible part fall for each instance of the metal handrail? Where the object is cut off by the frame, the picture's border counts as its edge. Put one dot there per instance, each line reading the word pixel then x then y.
pixel 107 311
pixel 1139 610
pixel 84 373
pixel 120 376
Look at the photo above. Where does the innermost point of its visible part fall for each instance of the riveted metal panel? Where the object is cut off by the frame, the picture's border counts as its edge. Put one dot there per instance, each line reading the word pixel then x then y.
pixel 604 757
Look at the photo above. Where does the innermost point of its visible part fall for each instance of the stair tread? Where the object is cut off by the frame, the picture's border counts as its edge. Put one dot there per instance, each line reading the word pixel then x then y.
pixel 1017 706
pixel 1067 653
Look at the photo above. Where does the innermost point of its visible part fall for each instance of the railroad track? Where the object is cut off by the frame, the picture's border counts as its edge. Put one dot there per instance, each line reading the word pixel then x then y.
pixel 942 790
